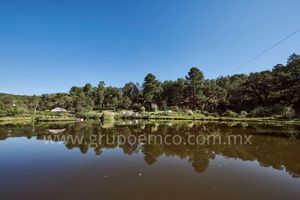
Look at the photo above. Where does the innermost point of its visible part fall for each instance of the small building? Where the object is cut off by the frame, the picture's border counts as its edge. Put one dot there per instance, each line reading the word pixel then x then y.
pixel 59 110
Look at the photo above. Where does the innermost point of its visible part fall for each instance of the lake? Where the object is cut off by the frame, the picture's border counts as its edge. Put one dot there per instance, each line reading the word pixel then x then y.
pixel 142 160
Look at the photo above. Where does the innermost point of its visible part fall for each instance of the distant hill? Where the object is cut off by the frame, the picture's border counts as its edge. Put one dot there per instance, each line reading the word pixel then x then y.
pixel 21 101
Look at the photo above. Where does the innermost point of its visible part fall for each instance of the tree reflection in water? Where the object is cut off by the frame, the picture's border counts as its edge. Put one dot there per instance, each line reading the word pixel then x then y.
pixel 271 146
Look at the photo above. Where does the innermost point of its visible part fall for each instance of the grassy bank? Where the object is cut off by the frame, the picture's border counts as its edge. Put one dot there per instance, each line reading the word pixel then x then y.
pixel 27 120
pixel 15 120
pixel 55 119
pixel 170 116
pixel 151 116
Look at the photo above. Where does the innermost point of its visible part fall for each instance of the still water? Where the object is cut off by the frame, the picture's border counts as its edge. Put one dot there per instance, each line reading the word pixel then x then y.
pixel 46 162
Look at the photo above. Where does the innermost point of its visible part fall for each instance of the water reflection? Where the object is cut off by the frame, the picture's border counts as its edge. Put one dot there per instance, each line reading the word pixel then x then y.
pixel 272 147
pixel 56 131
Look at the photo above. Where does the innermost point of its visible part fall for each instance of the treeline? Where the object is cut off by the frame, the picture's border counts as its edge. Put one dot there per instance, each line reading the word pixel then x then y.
pixel 266 93
pixel 17 104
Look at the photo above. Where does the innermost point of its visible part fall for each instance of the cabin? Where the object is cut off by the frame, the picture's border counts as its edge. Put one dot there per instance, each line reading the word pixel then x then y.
pixel 59 110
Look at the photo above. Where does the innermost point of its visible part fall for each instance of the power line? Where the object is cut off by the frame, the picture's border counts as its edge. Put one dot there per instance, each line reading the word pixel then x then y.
pixel 266 50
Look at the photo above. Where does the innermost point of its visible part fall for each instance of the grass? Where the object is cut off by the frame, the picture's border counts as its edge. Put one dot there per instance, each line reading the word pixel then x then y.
pixel 151 116
pixel 27 119
pixel 108 116
pixel 165 116
pixel 55 119
pixel 15 120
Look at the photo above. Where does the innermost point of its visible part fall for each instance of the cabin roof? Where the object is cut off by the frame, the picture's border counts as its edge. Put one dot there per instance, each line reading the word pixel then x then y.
pixel 57 109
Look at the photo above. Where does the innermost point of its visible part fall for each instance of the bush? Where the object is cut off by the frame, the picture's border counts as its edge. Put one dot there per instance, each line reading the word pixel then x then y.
pixel 168 112
pixel 138 107
pixel 17 111
pixel 164 106
pixel 91 115
pixel 214 114
pixel 38 118
pixel 126 114
pixel 154 108
pixel 230 113
pixel 261 112
pixel 143 109
pixel 243 114
pixel 108 116
pixel 190 112
pixel 176 109
pixel 206 113
pixel 287 113
pixel 277 110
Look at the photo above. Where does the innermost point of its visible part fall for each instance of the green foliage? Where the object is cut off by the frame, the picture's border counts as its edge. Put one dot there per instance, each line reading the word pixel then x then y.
pixel 213 95
pixel 277 110
pixel 142 109
pixel 263 94
pixel 194 89
pixel 280 111
pixel 167 113
pixel 260 112
pixel 177 109
pixel 90 115
pixel 108 116
pixel 11 105
pixel 244 114
pixel 173 92
pixel 292 58
pixel 81 102
pixel 138 107
pixel 164 106
pixel 99 95
pixel 288 113
pixel 230 113
pixel 126 102
pixel 132 91
pixel 112 98
pixel 151 88
pixel 2 107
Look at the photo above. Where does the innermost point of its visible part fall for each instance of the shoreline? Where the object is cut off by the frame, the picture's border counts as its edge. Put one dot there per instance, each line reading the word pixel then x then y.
pixel 152 118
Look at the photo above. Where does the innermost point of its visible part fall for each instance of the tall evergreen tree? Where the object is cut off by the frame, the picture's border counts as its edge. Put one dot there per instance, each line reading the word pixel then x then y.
pixel 99 95
pixel 151 88
pixel 194 91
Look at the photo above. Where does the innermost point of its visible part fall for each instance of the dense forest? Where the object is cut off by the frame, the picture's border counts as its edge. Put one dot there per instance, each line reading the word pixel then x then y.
pixel 267 93
pixel 14 104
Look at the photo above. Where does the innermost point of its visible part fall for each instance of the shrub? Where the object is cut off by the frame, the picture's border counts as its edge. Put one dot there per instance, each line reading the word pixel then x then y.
pixel 277 110
pixel 108 116
pixel 138 107
pixel 17 111
pixel 154 108
pixel 164 106
pixel 126 114
pixel 168 112
pixel 260 112
pixel 230 113
pixel 176 109
pixel 243 113
pixel 91 115
pixel 214 114
pixel 287 112
pixel 190 112
pixel 38 118
pixel 206 113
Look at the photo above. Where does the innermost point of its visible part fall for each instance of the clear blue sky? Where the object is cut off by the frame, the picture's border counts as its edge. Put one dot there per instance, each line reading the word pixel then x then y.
pixel 49 46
